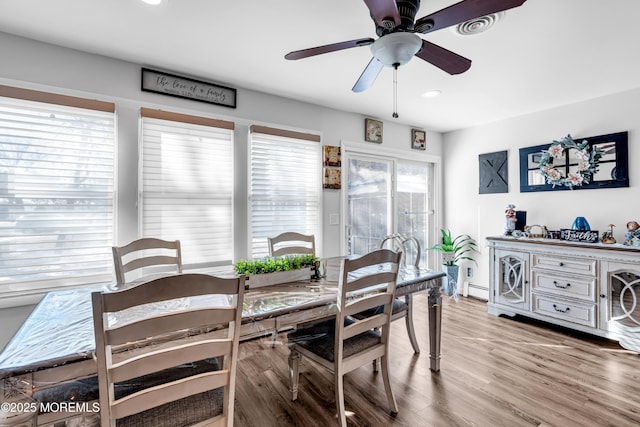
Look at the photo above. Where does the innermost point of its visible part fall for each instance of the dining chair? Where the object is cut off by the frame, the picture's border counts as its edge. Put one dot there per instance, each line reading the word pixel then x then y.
pixel 144 253
pixel 345 343
pixel 291 243
pixel 171 361
pixel 410 249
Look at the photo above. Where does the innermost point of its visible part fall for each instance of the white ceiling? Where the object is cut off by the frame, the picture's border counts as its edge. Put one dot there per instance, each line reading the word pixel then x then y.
pixel 543 54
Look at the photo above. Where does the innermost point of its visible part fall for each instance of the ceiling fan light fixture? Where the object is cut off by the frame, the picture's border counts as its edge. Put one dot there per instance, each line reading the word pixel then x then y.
pixel 396 48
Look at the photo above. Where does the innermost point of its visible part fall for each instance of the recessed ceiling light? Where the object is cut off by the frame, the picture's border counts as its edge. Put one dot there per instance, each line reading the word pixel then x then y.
pixel 431 93
pixel 154 2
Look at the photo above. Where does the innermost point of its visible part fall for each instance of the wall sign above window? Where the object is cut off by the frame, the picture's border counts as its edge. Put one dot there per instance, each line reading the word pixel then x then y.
pixel 612 166
pixel 186 87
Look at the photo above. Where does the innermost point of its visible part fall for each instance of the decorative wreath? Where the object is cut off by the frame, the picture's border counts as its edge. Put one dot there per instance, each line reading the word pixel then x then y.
pixel 588 159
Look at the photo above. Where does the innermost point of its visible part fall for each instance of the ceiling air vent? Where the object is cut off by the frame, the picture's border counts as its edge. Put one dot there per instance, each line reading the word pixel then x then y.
pixel 478 25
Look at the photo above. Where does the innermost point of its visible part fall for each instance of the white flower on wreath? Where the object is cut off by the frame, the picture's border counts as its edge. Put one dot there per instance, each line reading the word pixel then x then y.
pixel 553 173
pixel 575 179
pixel 583 165
pixel 581 155
pixel 556 151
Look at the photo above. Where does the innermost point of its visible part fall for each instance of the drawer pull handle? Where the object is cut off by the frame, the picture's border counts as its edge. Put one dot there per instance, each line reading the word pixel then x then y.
pixel 566 310
pixel 558 285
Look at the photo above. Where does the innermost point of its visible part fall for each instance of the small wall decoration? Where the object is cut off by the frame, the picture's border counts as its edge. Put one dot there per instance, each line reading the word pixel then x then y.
pixel 418 139
pixel 584 163
pixel 184 87
pixel 331 178
pixel 373 131
pixel 331 156
pixel 494 173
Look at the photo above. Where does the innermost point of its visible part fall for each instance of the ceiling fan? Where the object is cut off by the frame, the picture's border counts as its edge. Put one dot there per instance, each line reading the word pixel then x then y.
pixel 398 42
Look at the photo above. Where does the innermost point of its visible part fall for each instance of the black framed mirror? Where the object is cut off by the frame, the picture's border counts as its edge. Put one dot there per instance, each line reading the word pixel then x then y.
pixel 613 168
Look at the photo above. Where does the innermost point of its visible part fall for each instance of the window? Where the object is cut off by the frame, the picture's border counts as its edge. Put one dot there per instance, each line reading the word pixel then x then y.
pixel 284 187
pixel 187 185
pixel 386 195
pixel 56 190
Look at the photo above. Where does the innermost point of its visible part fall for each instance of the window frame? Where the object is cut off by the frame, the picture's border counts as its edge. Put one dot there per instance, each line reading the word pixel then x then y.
pixel 105 124
pixel 192 126
pixel 277 135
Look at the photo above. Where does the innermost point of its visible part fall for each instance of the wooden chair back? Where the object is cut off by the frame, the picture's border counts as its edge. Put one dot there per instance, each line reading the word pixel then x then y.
pixel 143 253
pixel 409 246
pixel 291 243
pixel 356 275
pixel 152 344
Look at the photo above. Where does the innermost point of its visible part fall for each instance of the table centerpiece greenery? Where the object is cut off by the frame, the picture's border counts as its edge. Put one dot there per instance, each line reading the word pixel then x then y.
pixel 281 269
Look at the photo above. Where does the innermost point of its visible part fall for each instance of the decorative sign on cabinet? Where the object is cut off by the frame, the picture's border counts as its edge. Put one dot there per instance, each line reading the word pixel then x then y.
pixel 589 287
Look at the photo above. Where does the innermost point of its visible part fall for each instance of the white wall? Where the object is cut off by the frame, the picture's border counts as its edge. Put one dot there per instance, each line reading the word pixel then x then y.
pixel 41 66
pixel 482 215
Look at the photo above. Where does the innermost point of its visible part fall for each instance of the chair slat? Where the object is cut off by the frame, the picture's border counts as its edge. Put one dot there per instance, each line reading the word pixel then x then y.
pixel 162 324
pixel 289 243
pixel 168 288
pixel 159 395
pixel 371 280
pixel 154 361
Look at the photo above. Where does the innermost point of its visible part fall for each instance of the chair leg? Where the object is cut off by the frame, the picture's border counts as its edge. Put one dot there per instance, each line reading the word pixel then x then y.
pixel 376 362
pixel 274 337
pixel 409 321
pixel 339 386
pixel 384 361
pixel 294 373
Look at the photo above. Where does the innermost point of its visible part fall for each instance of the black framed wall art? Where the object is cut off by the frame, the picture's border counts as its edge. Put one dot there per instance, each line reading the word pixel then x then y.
pixel 612 169
pixel 494 172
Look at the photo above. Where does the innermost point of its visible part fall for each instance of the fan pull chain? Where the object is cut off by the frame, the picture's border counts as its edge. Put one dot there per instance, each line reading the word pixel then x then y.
pixel 395 91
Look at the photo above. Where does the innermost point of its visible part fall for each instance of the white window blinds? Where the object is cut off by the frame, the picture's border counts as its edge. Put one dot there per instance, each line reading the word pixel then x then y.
pixel 56 190
pixel 284 187
pixel 187 184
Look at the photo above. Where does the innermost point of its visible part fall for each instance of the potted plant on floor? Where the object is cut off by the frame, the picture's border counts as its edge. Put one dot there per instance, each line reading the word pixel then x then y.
pixel 454 250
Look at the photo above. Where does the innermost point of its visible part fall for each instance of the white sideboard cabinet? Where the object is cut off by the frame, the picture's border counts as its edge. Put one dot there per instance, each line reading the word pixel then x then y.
pixel 589 287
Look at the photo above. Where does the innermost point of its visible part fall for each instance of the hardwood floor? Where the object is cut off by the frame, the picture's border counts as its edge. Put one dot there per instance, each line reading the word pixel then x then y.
pixel 495 371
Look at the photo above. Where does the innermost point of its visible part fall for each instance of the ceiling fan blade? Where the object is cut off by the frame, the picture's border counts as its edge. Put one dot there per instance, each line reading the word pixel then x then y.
pixel 442 58
pixel 383 11
pixel 462 12
pixel 319 50
pixel 368 76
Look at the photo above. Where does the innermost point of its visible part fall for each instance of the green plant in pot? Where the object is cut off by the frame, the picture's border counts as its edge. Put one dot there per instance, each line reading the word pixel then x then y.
pixel 454 250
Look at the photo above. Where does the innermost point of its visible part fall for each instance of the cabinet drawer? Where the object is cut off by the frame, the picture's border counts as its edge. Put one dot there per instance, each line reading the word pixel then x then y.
pixel 576 287
pixel 567 265
pixel 583 314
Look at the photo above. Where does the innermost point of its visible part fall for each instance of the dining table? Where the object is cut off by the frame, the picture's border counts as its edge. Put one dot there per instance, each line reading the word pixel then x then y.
pixel 55 344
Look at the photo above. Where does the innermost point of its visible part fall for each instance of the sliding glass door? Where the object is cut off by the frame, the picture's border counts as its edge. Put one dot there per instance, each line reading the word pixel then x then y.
pixel 387 196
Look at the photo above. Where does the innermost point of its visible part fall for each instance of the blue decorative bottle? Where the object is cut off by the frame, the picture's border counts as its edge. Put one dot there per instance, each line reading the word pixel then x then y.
pixel 581 224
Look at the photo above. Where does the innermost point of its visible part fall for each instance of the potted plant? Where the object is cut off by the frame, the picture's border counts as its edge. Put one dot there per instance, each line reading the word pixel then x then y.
pixel 453 250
